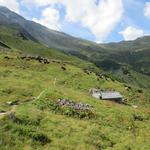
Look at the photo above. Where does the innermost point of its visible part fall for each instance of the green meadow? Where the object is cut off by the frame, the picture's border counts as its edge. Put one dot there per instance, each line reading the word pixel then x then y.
pixel 37 122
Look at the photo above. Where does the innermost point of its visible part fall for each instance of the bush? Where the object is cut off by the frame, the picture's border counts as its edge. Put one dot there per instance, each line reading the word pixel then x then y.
pixel 77 113
pixel 139 117
pixel 45 104
pixel 28 132
pixel 40 137
pixel 20 128
pixel 100 140
pixel 25 119
pixel 71 112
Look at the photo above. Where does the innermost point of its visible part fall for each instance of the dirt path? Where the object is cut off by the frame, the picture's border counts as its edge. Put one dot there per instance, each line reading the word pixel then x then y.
pixel 41 94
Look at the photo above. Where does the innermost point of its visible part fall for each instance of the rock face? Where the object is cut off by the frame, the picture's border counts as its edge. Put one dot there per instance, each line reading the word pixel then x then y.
pixel 77 106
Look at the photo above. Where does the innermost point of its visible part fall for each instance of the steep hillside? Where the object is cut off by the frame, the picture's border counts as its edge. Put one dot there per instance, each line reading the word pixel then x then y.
pixel 128 61
pixel 12 38
pixel 130 67
pixel 30 117
pixel 135 53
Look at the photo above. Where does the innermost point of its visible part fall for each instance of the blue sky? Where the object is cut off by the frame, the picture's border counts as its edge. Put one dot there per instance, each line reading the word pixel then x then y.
pixel 95 20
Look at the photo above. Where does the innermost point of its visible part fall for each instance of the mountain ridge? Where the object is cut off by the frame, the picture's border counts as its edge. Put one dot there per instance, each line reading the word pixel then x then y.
pixel 31 26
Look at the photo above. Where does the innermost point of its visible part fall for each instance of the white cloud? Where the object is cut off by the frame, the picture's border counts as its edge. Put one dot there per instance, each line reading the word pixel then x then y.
pixel 39 3
pixel 100 18
pixel 131 33
pixel 50 18
pixel 147 10
pixel 11 4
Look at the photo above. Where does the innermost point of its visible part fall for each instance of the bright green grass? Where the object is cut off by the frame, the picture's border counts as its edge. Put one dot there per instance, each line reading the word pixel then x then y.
pixel 114 126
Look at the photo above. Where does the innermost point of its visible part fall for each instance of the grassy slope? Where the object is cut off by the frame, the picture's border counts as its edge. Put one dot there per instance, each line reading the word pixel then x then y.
pixel 113 127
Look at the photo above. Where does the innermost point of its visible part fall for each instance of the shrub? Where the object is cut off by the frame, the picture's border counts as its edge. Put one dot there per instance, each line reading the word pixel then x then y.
pixel 25 119
pixel 77 113
pixel 71 112
pixel 139 117
pixel 40 137
pixel 100 140
pixel 28 132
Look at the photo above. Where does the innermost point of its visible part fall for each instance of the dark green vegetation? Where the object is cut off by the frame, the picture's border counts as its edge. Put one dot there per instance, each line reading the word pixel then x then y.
pixel 36 121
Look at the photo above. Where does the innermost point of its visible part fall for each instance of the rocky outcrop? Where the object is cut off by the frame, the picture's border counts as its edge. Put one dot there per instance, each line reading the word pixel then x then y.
pixel 74 105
